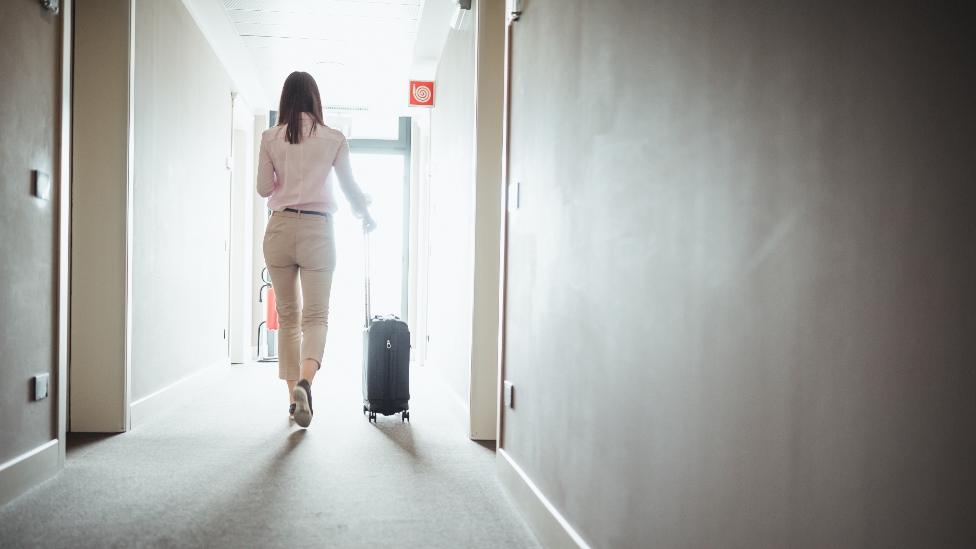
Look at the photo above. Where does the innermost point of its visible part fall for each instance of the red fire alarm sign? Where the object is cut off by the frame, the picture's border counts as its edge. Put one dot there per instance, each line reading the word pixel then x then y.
pixel 421 93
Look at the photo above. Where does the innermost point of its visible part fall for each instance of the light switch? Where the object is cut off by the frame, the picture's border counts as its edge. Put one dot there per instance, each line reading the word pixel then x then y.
pixel 41 382
pixel 42 185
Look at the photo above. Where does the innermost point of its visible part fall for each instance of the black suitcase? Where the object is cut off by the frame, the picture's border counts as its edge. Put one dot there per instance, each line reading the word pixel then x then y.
pixel 386 362
pixel 386 368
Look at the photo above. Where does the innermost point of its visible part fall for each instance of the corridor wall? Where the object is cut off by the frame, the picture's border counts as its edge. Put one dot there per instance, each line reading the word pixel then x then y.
pixel 451 213
pixel 465 215
pixel 741 277
pixel 181 199
pixel 32 256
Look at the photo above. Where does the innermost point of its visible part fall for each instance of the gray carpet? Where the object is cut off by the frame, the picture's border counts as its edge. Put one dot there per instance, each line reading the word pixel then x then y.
pixel 227 469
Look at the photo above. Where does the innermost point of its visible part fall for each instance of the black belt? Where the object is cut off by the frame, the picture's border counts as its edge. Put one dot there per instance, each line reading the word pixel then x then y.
pixel 313 212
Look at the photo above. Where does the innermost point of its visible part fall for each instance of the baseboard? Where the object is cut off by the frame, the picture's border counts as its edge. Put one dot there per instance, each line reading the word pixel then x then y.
pixel 551 529
pixel 144 409
pixel 27 470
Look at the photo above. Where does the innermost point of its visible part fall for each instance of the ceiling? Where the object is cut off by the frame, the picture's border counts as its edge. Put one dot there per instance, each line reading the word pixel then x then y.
pixel 359 51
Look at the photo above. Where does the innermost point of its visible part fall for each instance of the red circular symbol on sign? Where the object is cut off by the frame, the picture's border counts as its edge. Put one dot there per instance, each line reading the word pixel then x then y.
pixel 421 94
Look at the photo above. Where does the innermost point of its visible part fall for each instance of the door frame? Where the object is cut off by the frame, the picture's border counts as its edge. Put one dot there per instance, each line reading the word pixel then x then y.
pixel 504 236
pixel 241 234
pixel 64 227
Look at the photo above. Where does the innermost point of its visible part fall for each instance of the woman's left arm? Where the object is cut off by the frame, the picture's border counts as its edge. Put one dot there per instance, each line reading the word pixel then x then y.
pixel 347 182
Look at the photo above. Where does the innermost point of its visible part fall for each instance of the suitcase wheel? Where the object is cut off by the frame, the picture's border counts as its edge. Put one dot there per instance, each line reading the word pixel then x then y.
pixel 372 417
pixel 404 415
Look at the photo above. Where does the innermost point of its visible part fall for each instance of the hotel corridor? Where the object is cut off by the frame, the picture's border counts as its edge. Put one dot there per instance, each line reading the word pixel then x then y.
pixel 676 275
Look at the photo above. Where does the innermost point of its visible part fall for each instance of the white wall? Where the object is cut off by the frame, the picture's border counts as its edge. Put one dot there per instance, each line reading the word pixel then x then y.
pixel 451 214
pixel 242 235
pixel 152 211
pixel 181 199
pixel 462 227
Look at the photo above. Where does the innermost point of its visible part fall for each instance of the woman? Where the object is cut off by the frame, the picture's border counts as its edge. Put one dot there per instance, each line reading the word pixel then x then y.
pixel 296 159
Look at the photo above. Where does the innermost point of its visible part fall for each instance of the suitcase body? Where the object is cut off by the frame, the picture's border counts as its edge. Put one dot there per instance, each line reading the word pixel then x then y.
pixel 386 367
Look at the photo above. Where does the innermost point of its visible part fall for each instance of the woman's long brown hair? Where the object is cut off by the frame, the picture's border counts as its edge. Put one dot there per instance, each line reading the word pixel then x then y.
pixel 299 94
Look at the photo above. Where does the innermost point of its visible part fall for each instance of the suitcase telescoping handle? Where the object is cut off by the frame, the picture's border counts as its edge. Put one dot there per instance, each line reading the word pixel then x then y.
pixel 366 272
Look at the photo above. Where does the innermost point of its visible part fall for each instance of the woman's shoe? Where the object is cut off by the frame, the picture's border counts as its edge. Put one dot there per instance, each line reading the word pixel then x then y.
pixel 303 403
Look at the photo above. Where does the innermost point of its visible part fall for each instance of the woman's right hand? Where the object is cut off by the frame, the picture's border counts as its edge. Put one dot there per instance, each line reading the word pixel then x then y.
pixel 368 223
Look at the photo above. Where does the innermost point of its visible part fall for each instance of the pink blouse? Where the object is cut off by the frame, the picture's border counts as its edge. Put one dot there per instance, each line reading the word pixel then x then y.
pixel 300 176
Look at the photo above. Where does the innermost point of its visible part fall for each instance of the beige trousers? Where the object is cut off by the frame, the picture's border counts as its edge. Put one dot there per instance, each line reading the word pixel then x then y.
pixel 300 248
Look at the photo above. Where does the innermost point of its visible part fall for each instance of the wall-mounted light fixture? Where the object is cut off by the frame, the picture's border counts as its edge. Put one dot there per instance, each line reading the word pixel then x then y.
pixel 463 7
pixel 514 9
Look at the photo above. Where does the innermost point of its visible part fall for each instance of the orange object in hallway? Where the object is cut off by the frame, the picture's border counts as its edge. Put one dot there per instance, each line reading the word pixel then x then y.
pixel 272 310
